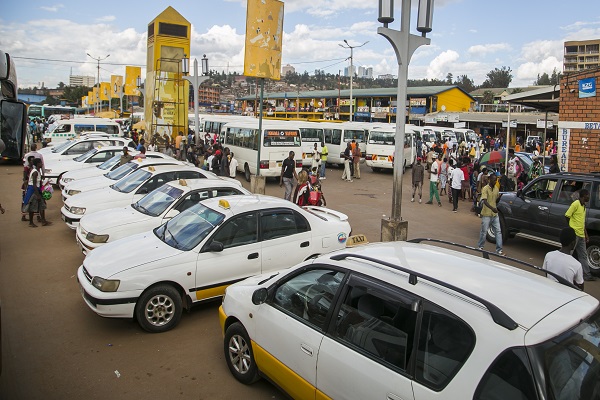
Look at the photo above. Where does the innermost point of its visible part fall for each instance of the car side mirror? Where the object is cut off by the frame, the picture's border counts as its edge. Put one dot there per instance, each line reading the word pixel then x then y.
pixel 259 296
pixel 171 214
pixel 520 193
pixel 216 246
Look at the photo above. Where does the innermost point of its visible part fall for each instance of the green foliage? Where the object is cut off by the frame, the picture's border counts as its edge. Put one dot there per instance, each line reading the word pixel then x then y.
pixel 465 83
pixel 498 78
pixel 73 94
pixel 488 97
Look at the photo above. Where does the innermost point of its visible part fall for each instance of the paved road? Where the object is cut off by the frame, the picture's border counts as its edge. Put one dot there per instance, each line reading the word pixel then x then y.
pixel 54 347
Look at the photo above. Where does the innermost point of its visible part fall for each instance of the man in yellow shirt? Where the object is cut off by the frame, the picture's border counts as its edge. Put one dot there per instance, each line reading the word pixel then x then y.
pixel 489 214
pixel 324 153
pixel 576 218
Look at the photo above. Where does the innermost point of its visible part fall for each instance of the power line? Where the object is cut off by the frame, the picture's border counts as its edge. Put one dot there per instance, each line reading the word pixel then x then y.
pixel 76 62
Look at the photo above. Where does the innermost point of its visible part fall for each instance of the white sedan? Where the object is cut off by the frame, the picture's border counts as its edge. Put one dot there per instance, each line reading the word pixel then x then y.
pixel 127 190
pixel 73 148
pixel 151 211
pixel 152 276
pixel 105 167
pixel 108 178
pixel 55 168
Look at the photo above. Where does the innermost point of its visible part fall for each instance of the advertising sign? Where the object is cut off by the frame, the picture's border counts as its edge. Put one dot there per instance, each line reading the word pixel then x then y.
pixel 116 83
pixel 131 75
pixel 563 148
pixel 264 33
pixel 346 102
pixel 540 124
pixel 91 99
pixel 587 87
pixel 105 91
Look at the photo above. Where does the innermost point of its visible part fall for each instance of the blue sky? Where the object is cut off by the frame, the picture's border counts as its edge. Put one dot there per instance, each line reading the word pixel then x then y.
pixel 469 37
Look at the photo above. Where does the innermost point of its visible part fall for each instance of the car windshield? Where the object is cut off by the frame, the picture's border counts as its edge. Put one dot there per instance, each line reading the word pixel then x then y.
pixel 358 135
pixel 378 137
pixel 108 164
pixel 131 181
pixel 62 146
pixel 571 361
pixel 188 229
pixel 86 155
pixel 120 172
pixel 428 136
pixel 157 201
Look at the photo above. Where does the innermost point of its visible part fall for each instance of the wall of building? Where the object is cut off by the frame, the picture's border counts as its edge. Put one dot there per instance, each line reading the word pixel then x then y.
pixel 579 125
pixel 454 100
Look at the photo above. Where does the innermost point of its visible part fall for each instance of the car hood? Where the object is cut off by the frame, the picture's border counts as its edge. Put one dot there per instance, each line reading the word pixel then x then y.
pixel 102 221
pixel 84 173
pixel 96 197
pixel 65 165
pixel 90 183
pixel 127 253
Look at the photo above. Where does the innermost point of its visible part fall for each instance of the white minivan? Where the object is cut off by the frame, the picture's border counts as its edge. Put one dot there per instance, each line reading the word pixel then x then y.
pixel 70 128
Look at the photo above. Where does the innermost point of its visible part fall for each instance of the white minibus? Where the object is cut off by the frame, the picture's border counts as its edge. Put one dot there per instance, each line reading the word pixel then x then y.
pixel 69 128
pixel 381 145
pixel 337 135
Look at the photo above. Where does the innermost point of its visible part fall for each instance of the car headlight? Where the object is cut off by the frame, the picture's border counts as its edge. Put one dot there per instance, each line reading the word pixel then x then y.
pixel 92 237
pixel 73 192
pixel 78 210
pixel 67 180
pixel 105 285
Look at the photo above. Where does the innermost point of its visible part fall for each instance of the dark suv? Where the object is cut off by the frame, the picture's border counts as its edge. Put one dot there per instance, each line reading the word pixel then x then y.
pixel 538 210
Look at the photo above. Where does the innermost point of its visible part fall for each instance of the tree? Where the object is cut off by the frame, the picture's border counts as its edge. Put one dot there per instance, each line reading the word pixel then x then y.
pixel 555 77
pixel 498 78
pixel 61 85
pixel 449 78
pixel 542 80
pixel 465 83
pixel 488 97
pixel 517 90
pixel 73 94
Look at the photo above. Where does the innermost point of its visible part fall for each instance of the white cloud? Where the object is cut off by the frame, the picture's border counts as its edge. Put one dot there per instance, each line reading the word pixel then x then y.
pixel 527 73
pixel 579 25
pixel 484 49
pixel 106 18
pixel 542 49
pixel 53 8
pixel 442 64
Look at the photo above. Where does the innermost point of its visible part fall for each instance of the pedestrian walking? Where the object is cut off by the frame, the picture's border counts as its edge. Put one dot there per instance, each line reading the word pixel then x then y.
pixel 233 164
pixel 347 174
pixel 356 161
pixel 324 154
pixel 456 179
pixel 562 263
pixel 489 214
pixel 418 175
pixel 433 182
pixel 576 218
pixel 33 202
pixel 287 176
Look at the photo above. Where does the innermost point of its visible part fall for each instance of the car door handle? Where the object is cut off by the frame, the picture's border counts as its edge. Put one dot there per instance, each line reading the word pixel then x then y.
pixel 543 208
pixel 252 256
pixel 304 244
pixel 305 348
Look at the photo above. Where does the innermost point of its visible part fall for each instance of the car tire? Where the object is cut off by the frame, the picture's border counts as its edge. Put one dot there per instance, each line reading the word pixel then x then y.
pixel 247 172
pixel 239 354
pixel 491 238
pixel 593 253
pixel 159 309
pixel 375 169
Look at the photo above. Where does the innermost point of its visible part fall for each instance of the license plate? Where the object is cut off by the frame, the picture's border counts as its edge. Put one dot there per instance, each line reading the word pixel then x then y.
pixel 279 164
pixel 63 217
pixel 383 158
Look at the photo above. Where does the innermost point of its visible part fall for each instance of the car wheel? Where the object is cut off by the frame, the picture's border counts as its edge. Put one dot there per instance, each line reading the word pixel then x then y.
pixel 247 172
pixel 375 169
pixel 491 238
pixel 159 309
pixel 239 355
pixel 593 253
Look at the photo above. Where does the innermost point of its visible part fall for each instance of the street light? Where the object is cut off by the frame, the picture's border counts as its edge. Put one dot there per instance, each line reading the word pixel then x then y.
pixel 195 80
pixel 108 97
pixel 351 67
pixel 404 44
pixel 97 59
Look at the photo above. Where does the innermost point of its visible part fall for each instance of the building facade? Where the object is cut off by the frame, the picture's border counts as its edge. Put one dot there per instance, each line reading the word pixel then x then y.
pixel 80 80
pixel 287 68
pixel 581 55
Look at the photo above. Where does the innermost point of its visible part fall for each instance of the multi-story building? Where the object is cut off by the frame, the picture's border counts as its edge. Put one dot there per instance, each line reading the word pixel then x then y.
pixel 208 95
pixel 347 71
pixel 287 68
pixel 581 55
pixel 79 80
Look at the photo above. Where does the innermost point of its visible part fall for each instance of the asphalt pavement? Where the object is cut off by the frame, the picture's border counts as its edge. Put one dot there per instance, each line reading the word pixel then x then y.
pixel 55 347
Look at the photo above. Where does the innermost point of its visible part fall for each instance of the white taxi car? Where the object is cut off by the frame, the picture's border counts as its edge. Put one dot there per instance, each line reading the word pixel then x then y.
pixel 152 276
pixel 127 190
pixel 55 168
pixel 108 178
pixel 105 167
pixel 389 321
pixel 152 210
pixel 73 148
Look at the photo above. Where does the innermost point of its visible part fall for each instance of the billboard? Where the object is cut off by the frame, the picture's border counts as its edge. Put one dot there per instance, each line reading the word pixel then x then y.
pixel 105 91
pixel 264 32
pixel 131 75
pixel 116 86
pixel 587 88
pixel 90 98
pixel 96 94
pixel 84 101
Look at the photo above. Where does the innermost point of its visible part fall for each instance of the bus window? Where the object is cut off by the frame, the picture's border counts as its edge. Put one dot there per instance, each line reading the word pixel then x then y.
pixel 336 136
pixel 274 138
pixel 12 115
pixel 376 137
pixel 83 128
pixel 62 128
pixel 408 138
pixel 358 135
pixel 110 129
pixel 311 135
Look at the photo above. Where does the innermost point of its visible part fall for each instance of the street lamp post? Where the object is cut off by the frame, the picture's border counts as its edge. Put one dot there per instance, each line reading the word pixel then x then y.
pixel 195 80
pixel 107 95
pixel 347 46
pixel 404 44
pixel 98 59
pixel 142 89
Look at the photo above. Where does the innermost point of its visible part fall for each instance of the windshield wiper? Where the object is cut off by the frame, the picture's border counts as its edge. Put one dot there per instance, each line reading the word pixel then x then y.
pixel 172 236
pixel 138 206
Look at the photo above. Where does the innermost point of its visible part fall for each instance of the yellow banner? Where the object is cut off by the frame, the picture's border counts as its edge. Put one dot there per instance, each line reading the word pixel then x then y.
pixel 116 86
pixel 84 101
pixel 105 91
pixel 90 98
pixel 264 31
pixel 131 76
pixel 96 95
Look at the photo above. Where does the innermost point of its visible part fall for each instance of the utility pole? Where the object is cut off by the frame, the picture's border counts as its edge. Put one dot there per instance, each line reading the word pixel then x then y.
pixel 347 46
pixel 98 59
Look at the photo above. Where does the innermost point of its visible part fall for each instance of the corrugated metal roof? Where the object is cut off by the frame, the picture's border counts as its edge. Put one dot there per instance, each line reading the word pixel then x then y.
pixel 412 91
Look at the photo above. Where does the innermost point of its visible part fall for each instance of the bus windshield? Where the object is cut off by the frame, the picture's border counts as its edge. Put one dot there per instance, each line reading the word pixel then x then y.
pixel 311 135
pixel 378 137
pixel 279 138
pixel 354 134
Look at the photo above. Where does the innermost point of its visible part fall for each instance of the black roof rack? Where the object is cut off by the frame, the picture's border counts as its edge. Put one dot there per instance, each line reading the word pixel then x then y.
pixel 486 254
pixel 499 316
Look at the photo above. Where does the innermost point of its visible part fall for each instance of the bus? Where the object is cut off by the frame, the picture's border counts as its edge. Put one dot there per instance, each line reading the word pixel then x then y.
pixel 276 141
pixel 13 113
pixel 310 133
pixel 381 144
pixel 213 123
pixel 337 135
pixel 45 111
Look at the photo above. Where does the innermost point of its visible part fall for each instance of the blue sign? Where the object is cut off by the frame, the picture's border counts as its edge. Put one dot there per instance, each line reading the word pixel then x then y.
pixel 362 114
pixel 587 87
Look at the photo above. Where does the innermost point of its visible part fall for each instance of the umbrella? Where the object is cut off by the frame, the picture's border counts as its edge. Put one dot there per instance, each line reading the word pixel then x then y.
pixel 493 157
pixel 139 125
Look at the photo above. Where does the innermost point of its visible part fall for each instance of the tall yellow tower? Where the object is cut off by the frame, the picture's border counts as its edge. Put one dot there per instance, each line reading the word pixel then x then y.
pixel 166 93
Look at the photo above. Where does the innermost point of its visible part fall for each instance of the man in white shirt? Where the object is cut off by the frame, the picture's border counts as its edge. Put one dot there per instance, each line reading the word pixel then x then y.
pixel 456 177
pixel 433 182
pixel 233 164
pixel 562 263
pixel 35 154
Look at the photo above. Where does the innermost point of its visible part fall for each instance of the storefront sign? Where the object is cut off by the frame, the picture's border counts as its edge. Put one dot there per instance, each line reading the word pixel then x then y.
pixel 346 102
pixel 540 124
pixel 513 124
pixel 587 87
pixel 380 109
pixel 417 102
pixel 362 109
pixel 563 149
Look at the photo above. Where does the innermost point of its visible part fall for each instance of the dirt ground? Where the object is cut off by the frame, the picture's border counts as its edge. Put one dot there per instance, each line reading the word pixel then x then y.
pixel 55 347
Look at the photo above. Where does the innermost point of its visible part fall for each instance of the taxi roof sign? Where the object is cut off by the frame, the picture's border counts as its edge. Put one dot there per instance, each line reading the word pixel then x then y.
pixel 182 182
pixel 151 169
pixel 224 204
